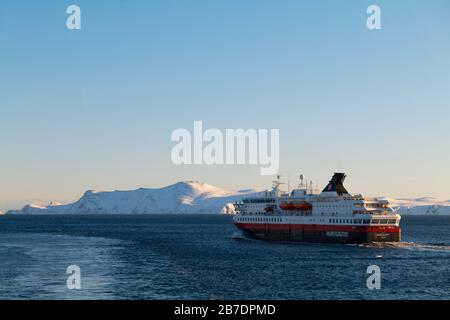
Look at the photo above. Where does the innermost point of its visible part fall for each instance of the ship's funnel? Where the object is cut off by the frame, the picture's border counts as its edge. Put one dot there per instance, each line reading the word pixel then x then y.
pixel 336 184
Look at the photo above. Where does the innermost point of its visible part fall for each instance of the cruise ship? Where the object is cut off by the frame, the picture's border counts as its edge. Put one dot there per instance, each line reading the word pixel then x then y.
pixel 332 215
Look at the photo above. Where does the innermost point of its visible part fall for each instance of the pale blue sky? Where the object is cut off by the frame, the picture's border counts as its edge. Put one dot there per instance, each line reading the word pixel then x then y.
pixel 94 108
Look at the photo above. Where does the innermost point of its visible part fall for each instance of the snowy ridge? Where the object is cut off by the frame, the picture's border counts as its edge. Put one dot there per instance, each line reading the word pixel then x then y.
pixel 181 197
pixel 421 206
pixel 193 197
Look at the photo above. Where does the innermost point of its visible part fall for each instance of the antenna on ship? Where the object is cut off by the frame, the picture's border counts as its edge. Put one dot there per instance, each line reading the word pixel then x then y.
pixel 301 181
pixel 276 185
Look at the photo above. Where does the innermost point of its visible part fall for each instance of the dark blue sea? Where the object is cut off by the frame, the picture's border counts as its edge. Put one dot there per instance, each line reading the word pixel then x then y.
pixel 203 257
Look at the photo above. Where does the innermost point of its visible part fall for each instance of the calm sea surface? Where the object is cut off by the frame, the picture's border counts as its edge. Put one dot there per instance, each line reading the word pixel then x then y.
pixel 203 257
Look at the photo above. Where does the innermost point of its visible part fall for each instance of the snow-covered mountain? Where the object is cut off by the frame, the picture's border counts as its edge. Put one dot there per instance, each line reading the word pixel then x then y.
pixel 181 197
pixel 421 206
pixel 193 197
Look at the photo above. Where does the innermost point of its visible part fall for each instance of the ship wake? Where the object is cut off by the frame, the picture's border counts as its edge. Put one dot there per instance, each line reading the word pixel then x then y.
pixel 239 235
pixel 407 245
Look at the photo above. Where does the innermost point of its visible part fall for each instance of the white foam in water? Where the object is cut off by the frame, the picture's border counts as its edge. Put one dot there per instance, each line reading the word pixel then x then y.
pixel 407 245
pixel 239 235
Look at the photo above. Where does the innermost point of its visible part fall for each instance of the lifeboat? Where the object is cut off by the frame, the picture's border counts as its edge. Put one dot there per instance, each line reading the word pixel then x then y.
pixel 295 206
pixel 269 209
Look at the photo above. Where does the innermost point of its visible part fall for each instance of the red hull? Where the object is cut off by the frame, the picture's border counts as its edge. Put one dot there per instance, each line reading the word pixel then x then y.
pixel 321 233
